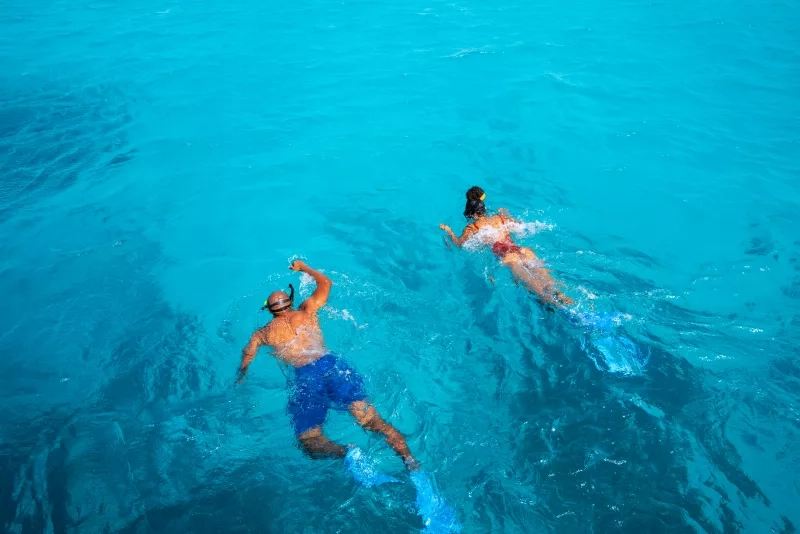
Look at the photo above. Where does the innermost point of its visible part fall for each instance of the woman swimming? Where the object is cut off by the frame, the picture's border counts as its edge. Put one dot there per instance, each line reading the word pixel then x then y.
pixel 493 231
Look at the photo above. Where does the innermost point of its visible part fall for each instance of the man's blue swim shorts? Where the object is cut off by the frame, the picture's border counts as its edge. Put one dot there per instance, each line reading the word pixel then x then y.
pixel 328 382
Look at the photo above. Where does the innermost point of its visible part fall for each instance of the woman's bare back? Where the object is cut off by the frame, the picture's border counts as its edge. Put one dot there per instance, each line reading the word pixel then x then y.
pixel 489 230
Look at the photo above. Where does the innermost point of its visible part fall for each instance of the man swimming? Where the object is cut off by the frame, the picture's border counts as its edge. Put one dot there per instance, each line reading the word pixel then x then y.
pixel 492 231
pixel 322 380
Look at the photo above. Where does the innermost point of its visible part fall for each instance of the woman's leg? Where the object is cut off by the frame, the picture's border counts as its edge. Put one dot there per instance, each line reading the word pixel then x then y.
pixel 536 279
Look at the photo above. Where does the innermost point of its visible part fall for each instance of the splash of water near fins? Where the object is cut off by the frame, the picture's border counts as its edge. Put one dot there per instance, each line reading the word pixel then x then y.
pixel 363 470
pixel 619 353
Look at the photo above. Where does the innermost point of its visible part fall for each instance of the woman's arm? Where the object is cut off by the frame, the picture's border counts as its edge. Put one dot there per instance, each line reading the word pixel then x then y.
pixel 458 241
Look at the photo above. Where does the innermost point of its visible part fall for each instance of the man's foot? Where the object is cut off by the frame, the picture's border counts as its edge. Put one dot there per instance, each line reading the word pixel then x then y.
pixel 411 463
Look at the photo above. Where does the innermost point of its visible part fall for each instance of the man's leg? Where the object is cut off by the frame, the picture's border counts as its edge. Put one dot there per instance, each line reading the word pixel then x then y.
pixel 371 420
pixel 317 446
pixel 308 410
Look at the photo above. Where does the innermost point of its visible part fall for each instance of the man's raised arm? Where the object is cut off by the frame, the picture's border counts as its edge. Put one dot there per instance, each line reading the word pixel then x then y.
pixel 320 296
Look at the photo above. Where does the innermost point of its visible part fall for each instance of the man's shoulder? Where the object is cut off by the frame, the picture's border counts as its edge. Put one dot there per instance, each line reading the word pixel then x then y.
pixel 302 311
pixel 301 316
pixel 262 334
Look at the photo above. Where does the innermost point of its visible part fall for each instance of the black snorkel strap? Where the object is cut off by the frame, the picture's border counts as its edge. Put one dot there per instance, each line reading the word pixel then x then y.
pixel 280 305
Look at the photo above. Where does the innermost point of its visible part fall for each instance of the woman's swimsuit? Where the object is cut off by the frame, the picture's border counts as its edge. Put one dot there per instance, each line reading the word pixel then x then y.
pixel 503 248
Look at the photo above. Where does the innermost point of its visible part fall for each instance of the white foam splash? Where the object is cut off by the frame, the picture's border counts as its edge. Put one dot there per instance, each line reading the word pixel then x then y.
pixel 343 314
pixel 586 293
pixel 487 275
pixel 525 229
pixel 750 329
pixel 488 235
pixel 466 52
pixel 307 283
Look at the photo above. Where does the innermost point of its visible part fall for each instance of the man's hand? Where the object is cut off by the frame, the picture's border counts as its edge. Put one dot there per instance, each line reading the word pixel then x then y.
pixel 248 353
pixel 298 265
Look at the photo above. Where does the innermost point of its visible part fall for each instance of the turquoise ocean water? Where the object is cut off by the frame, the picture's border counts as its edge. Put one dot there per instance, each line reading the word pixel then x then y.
pixel 162 161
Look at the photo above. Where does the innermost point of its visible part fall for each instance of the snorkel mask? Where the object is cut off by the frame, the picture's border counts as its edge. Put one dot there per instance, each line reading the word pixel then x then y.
pixel 280 305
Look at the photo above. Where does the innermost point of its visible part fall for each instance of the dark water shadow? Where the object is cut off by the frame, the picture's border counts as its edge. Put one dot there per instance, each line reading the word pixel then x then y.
pixel 52 135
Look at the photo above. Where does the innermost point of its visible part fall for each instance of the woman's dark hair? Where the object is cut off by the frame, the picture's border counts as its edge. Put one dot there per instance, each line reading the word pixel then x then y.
pixel 475 205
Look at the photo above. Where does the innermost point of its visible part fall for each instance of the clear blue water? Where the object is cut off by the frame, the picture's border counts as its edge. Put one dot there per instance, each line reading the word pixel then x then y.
pixel 162 161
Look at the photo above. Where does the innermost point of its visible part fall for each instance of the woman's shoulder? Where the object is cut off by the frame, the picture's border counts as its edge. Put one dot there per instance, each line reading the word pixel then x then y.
pixel 496 219
pixel 471 227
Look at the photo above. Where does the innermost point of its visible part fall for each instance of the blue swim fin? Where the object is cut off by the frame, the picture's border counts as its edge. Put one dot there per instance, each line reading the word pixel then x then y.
pixel 603 321
pixel 621 354
pixel 363 470
pixel 438 516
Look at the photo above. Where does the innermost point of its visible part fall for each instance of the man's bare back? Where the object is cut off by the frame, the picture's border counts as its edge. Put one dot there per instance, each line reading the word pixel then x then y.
pixel 295 338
